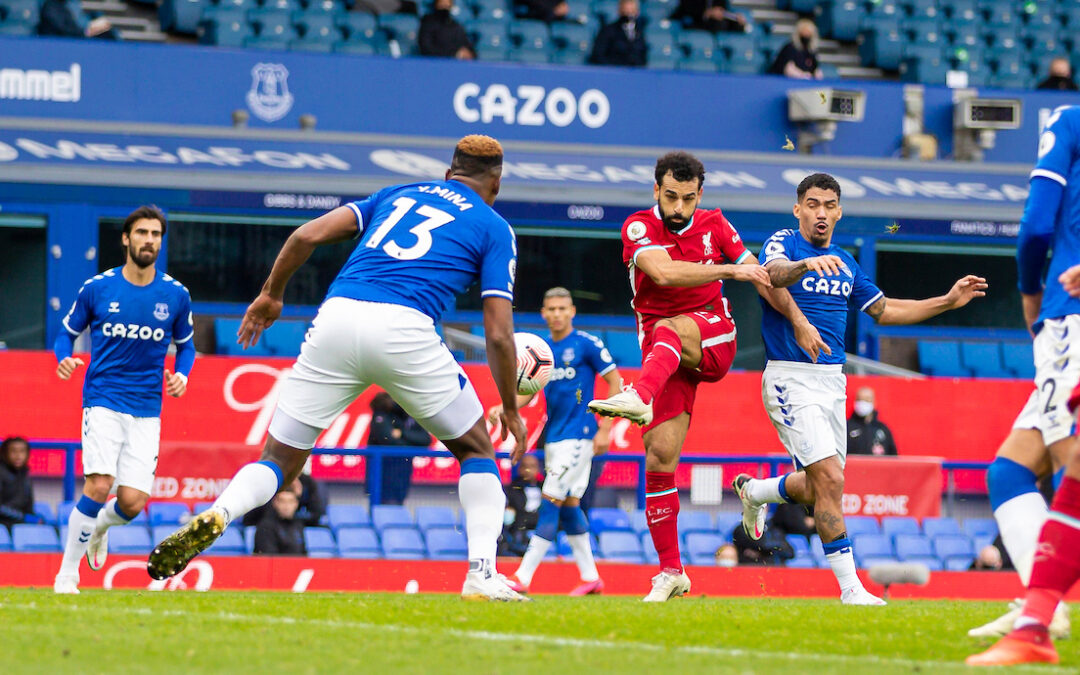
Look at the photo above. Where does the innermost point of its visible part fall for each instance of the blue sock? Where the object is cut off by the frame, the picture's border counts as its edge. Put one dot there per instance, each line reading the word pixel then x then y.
pixel 547 520
pixel 120 512
pixel 1006 480
pixel 480 465
pixel 783 489
pixel 88 507
pixel 573 520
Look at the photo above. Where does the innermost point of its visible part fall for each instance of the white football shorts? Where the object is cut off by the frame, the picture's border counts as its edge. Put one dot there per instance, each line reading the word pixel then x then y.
pixel 567 464
pixel 1057 372
pixel 121 445
pixel 806 403
pixel 354 344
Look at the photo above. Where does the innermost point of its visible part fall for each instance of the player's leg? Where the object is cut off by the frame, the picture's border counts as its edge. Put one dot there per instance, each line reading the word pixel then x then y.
pixel 663 444
pixel 554 491
pixel 573 521
pixel 1055 570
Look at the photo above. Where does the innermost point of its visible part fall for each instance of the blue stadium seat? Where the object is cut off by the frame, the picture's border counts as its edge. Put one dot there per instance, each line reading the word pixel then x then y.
pixel 307 23
pixel 63 512
pixel 891 526
pixel 5 540
pixel 622 546
pixel 609 520
pixel 771 44
pixel 579 12
pixel 1001 36
pixel 446 544
pixel 249 540
pixel 638 522
pixel 924 70
pixel 130 540
pixel 357 26
pixel 871 545
pixel 875 560
pixel 839 19
pixel 181 16
pixel 1018 359
pixel 960 10
pixel 20 11
pixel 648 548
pixel 941 358
pixel 726 524
pixel 979 542
pixel 962 34
pixel 880 44
pixel 529 34
pixel 932 563
pixel 385 516
pixel 358 542
pixel 818 552
pixel 356 48
pixel 740 54
pixel 492 41
pixel 274 42
pixel 1069 12
pixel 562 544
pixel 317 39
pixel 662 61
pixel 701 547
pixel 655 13
pixel 140 519
pixel 34 539
pixel 227 30
pixel 496 12
pixel 799 544
pixel 347 515
pixel 829 71
pixel 912 546
pixel 958 563
pixel 922 30
pixel 172 514
pixel 695 521
pixel 980 527
pixel 227 6
pixel 401 28
pixel 982 358
pixel 571 38
pixel 399 543
pixel 605 11
pixel 948 545
pixel 805 562
pixel 428 517
pixel 325 6
pixel 930 8
pixel 857 525
pixel 269 22
pixel 698 45
pixel 320 543
pixel 159 532
pixel 623 345
pixel 45 510
pixel 231 542
pixel 936 527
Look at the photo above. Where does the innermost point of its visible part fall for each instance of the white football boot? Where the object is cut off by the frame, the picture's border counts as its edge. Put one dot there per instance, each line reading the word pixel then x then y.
pixel 97 550
pixel 486 586
pixel 1060 627
pixel 753 515
pixel 66 584
pixel 668 585
pixel 861 596
pixel 626 404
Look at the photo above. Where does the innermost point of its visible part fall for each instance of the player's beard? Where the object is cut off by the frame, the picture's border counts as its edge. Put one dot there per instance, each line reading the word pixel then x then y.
pixel 671 222
pixel 141 258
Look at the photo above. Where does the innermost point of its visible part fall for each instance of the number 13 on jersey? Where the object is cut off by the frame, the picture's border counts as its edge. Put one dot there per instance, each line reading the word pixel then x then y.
pixel 433 218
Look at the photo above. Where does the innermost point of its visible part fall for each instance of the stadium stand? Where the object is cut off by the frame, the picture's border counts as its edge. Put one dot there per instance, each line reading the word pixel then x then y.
pixel 130 539
pixel 5 540
pixel 609 520
pixel 701 547
pixel 893 526
pixel 34 539
pixel 347 515
pixel 168 513
pixel 320 542
pixel 621 546
pixel 446 544
pixel 358 542
pixel 400 543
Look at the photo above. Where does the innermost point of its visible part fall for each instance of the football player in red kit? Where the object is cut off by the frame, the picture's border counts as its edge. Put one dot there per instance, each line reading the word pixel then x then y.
pixel 678 258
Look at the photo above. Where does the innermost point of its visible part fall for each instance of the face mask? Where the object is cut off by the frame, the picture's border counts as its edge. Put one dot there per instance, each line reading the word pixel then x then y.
pixel 864 408
pixel 508 517
pixel 726 562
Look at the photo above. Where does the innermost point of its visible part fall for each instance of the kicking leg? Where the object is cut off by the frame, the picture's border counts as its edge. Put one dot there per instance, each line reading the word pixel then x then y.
pixel 117 511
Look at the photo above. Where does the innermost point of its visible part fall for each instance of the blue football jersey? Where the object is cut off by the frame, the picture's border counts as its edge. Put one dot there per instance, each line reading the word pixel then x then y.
pixel 421 244
pixel 1059 160
pixel 579 358
pixel 130 331
pixel 823 299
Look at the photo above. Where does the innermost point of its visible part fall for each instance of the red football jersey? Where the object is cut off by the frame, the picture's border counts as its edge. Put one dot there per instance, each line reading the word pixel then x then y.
pixel 709 239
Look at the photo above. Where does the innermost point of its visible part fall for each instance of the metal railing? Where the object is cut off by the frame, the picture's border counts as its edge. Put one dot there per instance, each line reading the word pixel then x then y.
pixel 767 465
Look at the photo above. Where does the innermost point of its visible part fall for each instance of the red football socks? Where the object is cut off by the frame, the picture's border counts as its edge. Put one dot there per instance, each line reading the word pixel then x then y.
pixel 660 363
pixel 662 513
pixel 1057 558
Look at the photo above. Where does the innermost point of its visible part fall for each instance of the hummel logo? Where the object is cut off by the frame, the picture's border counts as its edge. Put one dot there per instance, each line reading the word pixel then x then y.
pixel 114 306
pixel 84 537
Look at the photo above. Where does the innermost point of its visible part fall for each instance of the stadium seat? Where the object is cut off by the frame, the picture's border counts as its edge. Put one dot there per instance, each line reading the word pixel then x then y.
pixel 428 517
pixel 805 562
pixel 20 11
pixel 401 28
pixel 912 546
pixel 159 532
pixel 662 61
pixel 308 23
pixel 325 6
pixel 181 16
pixel 698 45
pixel 936 527
pixel 173 514
pixel 701 547
pixel 571 38
pixel 739 54
pixel 648 550
pixel 140 519
pixel 624 347
pixel 270 22
pixel 948 545
pixel 799 544
pixel 958 563
pixel 231 542
pixel 695 521
pixel 726 524
pixel 623 546
pixel 880 44
pixel 862 525
pixel 130 540
pixel 579 12
pixel 5 540
pixel 983 358
pixel 46 512
pixel 605 11
pixel 446 544
pixel 979 542
pixel 400 543
pixel 941 358
pixel 873 561
pixel 34 539
pixel 358 542
pixel 980 527
pixel 818 552
pixel 320 543
pixel 489 37
pixel 609 520
pixel 230 31
pixel 1018 359
pixel 639 524
pixel 839 19
pixel 960 10
pixel 871 545
pixel 319 39
pixel 63 512
pixel 357 26
pixel 932 563
pixel 891 526
pixel 562 544
pixel 384 516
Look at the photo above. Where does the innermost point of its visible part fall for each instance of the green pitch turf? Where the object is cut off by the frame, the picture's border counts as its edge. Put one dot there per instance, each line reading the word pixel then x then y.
pixel 167 632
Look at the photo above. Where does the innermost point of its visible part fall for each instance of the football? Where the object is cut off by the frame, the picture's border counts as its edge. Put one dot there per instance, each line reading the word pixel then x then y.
pixel 534 362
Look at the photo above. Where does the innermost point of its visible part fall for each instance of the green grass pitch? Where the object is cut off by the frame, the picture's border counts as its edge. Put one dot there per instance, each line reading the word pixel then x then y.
pixel 167 632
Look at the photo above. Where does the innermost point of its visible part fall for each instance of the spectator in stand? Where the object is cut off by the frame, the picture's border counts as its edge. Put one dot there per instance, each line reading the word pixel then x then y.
pixel 312 505
pixel 545 10
pixel 621 42
pixel 727 556
pixel 441 34
pixel 798 58
pixel 771 549
pixel 794 519
pixel 65 18
pixel 523 497
pixel 1061 76
pixel 866 434
pixel 280 532
pixel 989 558
pixel 712 15
pixel 391 425
pixel 16 490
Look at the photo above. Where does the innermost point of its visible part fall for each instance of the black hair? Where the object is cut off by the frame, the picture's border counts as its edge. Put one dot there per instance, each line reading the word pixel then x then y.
pixel 147 212
pixel 817 180
pixel 10 441
pixel 683 167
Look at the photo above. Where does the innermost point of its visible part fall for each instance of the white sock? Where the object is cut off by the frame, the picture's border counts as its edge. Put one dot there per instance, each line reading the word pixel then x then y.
pixel 764 490
pixel 534 555
pixel 582 548
pixel 80 527
pixel 483 501
pixel 109 516
pixel 843 566
pixel 1020 520
pixel 253 485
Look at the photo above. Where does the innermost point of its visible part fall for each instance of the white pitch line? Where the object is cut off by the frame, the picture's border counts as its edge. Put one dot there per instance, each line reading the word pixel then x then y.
pixel 547 640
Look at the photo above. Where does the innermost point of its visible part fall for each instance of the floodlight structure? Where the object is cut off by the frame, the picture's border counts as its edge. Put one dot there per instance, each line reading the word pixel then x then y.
pixel 816 111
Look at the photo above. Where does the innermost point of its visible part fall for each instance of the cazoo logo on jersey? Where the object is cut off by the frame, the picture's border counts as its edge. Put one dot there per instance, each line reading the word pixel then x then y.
pixel 530 105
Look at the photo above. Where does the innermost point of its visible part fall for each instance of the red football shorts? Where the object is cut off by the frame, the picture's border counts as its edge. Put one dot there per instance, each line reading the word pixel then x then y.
pixel 717 354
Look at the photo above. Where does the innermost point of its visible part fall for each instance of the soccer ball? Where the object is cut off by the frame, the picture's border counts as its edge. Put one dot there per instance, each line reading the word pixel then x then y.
pixel 534 363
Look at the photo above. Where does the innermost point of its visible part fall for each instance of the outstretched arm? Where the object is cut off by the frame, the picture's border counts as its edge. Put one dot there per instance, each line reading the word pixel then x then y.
pixel 330 228
pixel 783 273
pixel 667 272
pixel 897 312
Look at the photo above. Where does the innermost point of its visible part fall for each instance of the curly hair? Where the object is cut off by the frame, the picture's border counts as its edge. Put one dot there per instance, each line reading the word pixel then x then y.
pixel 683 167
pixel 817 180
